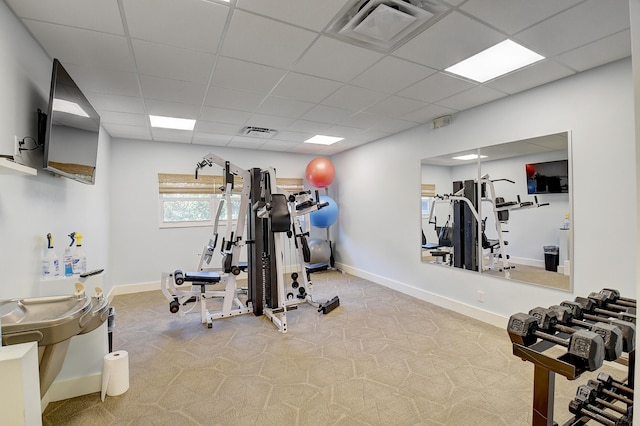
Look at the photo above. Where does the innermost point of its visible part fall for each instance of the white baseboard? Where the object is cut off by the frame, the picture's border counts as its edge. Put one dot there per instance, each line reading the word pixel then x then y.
pixel 133 288
pixel 71 388
pixel 445 302
pixel 527 262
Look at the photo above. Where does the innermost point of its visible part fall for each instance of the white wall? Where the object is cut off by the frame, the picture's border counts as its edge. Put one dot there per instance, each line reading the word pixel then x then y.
pixel 595 105
pixel 141 250
pixel 32 206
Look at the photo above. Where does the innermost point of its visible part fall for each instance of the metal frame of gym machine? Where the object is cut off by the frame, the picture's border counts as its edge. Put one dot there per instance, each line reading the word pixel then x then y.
pixel 465 209
pixel 270 213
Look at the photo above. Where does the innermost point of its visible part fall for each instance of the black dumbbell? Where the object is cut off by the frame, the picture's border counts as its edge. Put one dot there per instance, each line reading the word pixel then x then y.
pixel 602 389
pixel 589 305
pixel 615 295
pixel 611 382
pixel 178 276
pixel 581 408
pixel 606 299
pixel 590 396
pixel 575 314
pixel 583 344
pixel 612 336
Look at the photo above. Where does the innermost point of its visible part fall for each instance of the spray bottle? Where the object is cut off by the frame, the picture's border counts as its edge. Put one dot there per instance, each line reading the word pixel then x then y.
pixel 50 263
pixel 79 259
pixel 68 257
pixel 566 223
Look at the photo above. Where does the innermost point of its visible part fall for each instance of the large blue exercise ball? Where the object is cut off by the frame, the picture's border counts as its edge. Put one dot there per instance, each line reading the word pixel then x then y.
pixel 326 216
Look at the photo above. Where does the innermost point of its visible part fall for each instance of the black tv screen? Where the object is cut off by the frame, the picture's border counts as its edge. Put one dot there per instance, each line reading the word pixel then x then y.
pixel 71 130
pixel 551 177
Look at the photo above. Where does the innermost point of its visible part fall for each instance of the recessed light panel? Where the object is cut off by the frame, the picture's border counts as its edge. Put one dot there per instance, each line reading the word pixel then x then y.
pixel 172 122
pixel 468 157
pixel 323 140
pixel 495 61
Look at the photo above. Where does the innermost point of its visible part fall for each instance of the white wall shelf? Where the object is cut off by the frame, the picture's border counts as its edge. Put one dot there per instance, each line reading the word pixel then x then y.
pixel 8 167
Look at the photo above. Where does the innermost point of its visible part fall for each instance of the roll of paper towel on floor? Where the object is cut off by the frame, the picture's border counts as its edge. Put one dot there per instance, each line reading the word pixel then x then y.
pixel 115 374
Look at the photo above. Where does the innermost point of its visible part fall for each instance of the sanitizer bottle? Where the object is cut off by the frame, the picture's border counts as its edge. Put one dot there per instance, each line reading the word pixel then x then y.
pixel 50 263
pixel 566 223
pixel 68 259
pixel 79 259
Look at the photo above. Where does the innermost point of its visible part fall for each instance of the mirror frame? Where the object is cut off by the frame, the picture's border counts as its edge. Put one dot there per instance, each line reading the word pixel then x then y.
pixel 538 145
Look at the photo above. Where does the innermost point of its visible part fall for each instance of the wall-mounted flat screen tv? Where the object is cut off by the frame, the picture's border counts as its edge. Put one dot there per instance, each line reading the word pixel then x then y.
pixel 550 177
pixel 71 130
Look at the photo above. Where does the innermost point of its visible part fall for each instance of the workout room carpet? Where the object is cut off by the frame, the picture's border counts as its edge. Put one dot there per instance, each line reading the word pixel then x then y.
pixel 381 358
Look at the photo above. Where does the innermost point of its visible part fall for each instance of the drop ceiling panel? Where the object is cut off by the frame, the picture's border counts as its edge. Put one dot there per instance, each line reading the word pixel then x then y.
pixel 172 109
pixel 395 106
pixel 284 107
pixel 104 80
pixel 82 47
pixel 436 87
pixel 211 139
pixel 335 60
pixel 353 98
pixel 392 74
pixel 326 114
pixel 103 16
pixel 270 121
pixel 129 119
pixel 576 27
pixel 160 60
pixel 265 41
pixel 246 143
pixel 243 75
pixel 170 135
pixel 311 14
pixel 278 145
pixel 512 16
pixel 433 46
pixel 599 52
pixel 190 24
pixel 106 102
pixel 306 87
pixel 470 98
pixel 535 75
pixel 164 89
pixel 218 128
pixel 308 126
pixel 428 113
pixel 222 115
pixel 129 132
pixel 233 99
pixel 288 136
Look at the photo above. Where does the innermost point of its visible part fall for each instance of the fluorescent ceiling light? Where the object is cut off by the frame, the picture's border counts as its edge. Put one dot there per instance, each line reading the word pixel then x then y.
pixel 469 157
pixel 323 140
pixel 172 122
pixel 495 61
pixel 69 107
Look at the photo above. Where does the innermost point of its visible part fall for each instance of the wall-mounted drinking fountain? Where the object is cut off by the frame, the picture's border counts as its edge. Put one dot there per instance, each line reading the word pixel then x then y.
pixel 51 322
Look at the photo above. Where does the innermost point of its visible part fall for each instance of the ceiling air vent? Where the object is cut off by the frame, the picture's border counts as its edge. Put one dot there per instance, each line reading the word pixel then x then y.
pixel 258 132
pixel 384 24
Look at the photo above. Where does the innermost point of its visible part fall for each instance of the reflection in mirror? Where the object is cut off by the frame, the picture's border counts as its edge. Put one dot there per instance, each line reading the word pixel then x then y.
pixel 503 210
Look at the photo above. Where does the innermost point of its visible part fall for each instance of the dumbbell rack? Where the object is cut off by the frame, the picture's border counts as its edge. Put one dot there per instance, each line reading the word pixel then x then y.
pixel 545 369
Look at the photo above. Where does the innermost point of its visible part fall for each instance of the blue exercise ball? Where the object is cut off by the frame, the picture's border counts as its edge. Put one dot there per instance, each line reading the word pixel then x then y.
pixel 326 216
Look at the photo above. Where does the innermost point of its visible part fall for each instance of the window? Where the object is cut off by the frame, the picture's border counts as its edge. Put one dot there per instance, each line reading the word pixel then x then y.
pixel 185 201
pixel 428 191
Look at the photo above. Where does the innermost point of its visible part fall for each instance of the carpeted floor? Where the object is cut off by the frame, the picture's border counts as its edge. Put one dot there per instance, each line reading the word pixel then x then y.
pixel 381 358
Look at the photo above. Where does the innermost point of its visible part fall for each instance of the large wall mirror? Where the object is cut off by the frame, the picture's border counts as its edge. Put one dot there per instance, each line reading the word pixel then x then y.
pixel 503 210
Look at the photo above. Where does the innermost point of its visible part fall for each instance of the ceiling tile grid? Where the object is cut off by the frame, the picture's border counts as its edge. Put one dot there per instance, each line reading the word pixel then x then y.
pixel 275 64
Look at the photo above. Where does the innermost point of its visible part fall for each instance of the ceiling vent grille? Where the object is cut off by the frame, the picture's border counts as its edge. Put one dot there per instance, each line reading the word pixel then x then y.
pixel 383 25
pixel 258 132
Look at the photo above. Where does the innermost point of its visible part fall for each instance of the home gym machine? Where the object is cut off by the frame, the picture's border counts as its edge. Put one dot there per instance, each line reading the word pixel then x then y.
pixel 593 329
pixel 265 215
pixel 467 249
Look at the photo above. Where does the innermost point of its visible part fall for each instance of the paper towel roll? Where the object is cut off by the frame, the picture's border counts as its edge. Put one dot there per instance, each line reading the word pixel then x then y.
pixel 115 374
